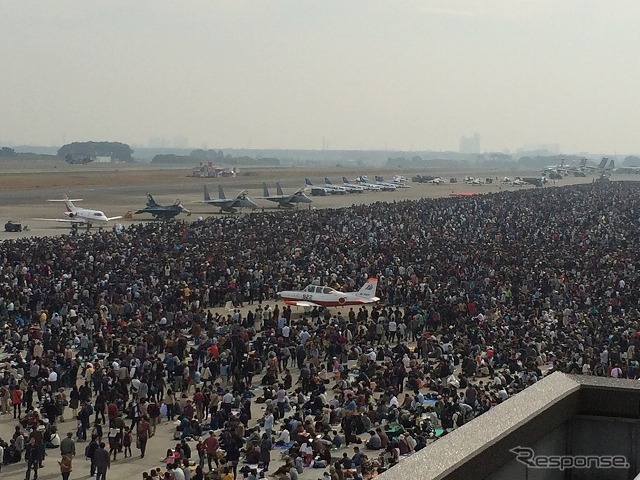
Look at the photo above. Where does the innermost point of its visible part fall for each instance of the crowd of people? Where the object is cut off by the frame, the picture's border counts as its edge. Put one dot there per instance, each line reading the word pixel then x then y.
pixel 480 297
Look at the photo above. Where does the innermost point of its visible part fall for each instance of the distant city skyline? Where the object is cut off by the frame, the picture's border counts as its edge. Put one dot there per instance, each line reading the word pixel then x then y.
pixel 407 75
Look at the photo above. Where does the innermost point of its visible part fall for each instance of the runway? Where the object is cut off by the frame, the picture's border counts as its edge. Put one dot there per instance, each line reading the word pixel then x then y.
pixel 120 188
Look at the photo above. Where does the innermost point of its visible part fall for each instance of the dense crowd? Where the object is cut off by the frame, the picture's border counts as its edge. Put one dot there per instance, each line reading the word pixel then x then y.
pixel 481 297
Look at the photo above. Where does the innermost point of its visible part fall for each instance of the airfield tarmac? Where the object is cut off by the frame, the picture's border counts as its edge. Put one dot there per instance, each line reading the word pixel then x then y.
pixel 120 188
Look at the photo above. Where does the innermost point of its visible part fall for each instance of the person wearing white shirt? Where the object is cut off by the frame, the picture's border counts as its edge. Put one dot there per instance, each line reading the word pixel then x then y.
pixel 178 474
pixel 284 437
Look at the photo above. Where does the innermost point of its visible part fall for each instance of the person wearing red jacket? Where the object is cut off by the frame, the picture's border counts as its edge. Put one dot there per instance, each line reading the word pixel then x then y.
pixel 211 446
pixel 16 400
pixel 112 413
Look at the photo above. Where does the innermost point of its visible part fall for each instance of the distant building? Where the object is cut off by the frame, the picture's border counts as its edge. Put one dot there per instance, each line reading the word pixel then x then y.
pixel 470 144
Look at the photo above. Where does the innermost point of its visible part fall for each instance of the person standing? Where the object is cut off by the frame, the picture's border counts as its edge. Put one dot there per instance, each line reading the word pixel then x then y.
pixel 211 446
pixel 265 451
pixel 143 434
pixel 32 457
pixel 16 400
pixel 102 461
pixel 65 466
pixel 68 446
pixel 90 453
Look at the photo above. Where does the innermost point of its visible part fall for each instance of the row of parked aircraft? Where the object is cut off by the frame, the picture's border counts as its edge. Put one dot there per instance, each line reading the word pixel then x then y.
pixel 83 216
pixel 359 185
pixel 605 167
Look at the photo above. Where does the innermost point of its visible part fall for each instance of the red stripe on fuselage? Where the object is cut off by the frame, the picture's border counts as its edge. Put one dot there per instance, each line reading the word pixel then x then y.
pixel 323 303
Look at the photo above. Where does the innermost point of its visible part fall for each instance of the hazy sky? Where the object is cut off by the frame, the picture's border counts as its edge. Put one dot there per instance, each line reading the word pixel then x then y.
pixel 363 74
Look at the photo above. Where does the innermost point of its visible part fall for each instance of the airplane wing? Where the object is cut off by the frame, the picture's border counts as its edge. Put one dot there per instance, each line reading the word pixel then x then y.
pixel 217 201
pixel 298 303
pixel 65 220
pixel 114 218
pixel 369 300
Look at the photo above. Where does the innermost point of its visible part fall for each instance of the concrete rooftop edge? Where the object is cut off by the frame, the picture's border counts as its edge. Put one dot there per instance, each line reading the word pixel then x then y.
pixel 483 444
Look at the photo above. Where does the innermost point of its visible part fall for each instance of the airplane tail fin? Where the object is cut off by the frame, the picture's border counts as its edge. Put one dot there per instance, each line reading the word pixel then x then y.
pixel 378 178
pixel 344 180
pixel 308 183
pixel 327 181
pixel 612 164
pixel 583 162
pixel 207 197
pixel 68 203
pixel 279 189
pixel 368 290
pixel 265 190
pixel 221 193
pixel 150 200
pixel 603 163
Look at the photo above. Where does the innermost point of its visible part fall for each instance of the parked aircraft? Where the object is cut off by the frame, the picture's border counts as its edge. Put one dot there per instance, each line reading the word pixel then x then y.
pixel 473 181
pixel 326 190
pixel 285 201
pixel 79 216
pixel 346 188
pixel 329 297
pixel 77 160
pixel 436 181
pixel 603 168
pixel 399 179
pixel 163 212
pixel 348 184
pixel 364 181
pixel 380 181
pixel 228 205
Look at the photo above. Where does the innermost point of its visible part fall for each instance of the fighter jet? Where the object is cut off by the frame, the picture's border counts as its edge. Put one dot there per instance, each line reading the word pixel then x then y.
pixel 329 297
pixel 327 189
pixel 228 205
pixel 285 201
pixel 163 212
pixel 347 188
pixel 346 183
pixel 364 181
pixel 380 181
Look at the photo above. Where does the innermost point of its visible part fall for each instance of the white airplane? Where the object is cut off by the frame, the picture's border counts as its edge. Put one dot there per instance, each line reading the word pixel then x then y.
pixel 348 184
pixel 322 296
pixel 346 188
pixel 380 181
pixel 326 190
pixel 80 216
pixel 473 181
pixel 400 179
pixel 436 181
pixel 364 181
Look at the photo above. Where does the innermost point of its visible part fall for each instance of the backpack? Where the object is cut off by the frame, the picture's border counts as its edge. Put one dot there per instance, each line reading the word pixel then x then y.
pixel 89 410
pixel 127 439
pixel 87 450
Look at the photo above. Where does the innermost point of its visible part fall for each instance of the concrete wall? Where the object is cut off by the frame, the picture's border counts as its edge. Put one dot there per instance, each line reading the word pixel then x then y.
pixel 581 435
